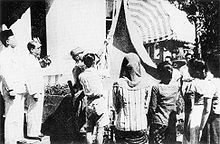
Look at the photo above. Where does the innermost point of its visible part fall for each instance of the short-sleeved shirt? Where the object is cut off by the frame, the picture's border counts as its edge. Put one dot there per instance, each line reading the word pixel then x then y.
pixel 91 82
pixel 163 102
pixel 201 89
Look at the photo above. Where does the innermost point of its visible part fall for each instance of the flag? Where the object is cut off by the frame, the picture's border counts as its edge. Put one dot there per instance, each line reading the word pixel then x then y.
pixel 124 36
pixel 139 22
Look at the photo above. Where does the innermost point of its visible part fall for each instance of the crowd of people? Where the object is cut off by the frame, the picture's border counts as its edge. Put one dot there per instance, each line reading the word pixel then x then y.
pixel 142 112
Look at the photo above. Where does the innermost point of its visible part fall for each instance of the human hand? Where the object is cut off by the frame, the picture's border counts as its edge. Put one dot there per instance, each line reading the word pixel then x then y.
pixel 11 94
pixel 200 134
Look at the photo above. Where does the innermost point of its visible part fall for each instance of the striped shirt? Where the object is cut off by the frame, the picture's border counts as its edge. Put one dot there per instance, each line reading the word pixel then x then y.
pixel 131 104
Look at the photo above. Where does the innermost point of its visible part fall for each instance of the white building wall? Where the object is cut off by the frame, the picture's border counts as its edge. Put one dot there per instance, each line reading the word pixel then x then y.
pixel 72 23
pixel 22 31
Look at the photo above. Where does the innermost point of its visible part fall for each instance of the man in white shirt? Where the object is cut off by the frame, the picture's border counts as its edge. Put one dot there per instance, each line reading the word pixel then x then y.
pixel 35 84
pixel 95 99
pixel 13 88
pixel 185 73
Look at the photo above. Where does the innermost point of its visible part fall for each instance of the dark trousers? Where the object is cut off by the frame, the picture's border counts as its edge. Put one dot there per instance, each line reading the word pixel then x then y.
pixel 211 132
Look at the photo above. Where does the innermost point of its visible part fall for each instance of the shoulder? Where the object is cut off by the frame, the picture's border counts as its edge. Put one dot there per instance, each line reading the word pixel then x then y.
pixel 205 87
pixel 81 75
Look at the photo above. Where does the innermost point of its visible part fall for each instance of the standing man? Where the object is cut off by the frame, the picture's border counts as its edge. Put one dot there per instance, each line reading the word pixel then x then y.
pixel 13 88
pixel 77 54
pixel 35 98
pixel 184 70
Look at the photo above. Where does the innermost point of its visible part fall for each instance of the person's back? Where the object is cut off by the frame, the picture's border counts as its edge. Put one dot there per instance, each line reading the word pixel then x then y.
pixel 95 99
pixel 91 82
pixel 130 102
pixel 133 99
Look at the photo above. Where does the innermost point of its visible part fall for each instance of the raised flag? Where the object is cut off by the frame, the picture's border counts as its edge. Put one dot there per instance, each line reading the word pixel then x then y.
pixel 139 22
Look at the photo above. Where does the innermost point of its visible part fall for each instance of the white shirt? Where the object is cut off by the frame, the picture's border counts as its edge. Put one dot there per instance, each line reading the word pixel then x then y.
pixel 91 82
pixel 35 82
pixel 184 70
pixel 12 71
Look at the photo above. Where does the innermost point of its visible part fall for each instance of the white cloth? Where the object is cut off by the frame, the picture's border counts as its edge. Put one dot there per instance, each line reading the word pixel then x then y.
pixel 13 78
pixel 35 86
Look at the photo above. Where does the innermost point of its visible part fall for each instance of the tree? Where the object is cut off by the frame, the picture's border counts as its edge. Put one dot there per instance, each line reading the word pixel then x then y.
pixel 207 14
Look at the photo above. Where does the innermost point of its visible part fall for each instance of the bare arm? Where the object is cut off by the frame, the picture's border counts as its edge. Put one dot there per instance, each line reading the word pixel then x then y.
pixel 206 112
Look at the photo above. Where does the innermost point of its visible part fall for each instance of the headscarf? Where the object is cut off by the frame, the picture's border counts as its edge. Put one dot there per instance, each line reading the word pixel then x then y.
pixel 131 62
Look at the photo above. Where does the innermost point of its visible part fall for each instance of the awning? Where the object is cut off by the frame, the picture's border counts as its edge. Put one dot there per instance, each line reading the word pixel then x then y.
pixel 158 20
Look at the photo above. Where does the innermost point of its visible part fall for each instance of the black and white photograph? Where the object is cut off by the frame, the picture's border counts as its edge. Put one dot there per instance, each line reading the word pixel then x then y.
pixel 109 72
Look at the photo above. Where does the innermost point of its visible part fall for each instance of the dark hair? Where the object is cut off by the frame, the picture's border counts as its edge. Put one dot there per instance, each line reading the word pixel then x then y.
pixel 30 46
pixel 168 57
pixel 4 35
pixel 214 64
pixel 188 55
pixel 89 59
pixel 165 71
pixel 197 68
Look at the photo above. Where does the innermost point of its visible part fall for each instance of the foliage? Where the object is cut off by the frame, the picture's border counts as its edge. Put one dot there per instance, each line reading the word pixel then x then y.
pixel 57 90
pixel 208 17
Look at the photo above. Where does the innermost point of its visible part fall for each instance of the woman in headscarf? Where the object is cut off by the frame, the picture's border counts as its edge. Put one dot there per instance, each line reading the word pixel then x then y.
pixel 198 100
pixel 162 110
pixel 131 100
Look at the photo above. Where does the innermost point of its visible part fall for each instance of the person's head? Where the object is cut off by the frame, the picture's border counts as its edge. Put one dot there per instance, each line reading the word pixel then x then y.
pixel 168 59
pixel 8 39
pixel 89 60
pixel 34 48
pixel 188 57
pixel 165 71
pixel 77 54
pixel 214 65
pixel 130 65
pixel 197 68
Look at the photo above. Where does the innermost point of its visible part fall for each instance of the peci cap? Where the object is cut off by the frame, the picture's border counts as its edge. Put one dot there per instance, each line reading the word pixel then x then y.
pixel 5 34
pixel 76 51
